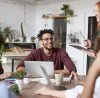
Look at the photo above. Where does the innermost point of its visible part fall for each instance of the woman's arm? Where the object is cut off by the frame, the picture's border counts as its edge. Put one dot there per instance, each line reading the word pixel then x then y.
pixel 93 73
pixel 55 93
pixel 90 53
pixel 5 75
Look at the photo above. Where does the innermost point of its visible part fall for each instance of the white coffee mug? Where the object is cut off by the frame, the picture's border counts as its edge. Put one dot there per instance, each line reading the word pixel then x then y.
pixel 58 78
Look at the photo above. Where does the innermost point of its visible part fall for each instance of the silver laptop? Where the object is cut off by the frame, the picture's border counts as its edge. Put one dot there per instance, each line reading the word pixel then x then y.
pixel 33 68
pixel 46 76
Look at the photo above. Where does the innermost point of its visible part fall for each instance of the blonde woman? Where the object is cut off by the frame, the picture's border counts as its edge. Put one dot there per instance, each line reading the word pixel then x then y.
pixel 96 43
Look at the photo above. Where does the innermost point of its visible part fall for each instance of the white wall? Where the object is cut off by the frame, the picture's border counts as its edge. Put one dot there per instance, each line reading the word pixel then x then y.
pixel 82 8
pixel 12 14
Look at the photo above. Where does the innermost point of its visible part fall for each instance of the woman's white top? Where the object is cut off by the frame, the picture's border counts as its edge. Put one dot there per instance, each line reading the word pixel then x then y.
pixel 72 93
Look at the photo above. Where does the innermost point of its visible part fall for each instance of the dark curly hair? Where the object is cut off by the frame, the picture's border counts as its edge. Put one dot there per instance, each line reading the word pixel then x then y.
pixel 43 32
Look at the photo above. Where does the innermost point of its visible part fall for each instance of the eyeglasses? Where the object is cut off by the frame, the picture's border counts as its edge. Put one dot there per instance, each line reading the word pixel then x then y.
pixel 47 39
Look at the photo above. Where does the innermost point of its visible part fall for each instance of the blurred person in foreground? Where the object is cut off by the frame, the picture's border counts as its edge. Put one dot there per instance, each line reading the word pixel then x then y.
pixel 90 89
pixel 5 92
pixel 1 50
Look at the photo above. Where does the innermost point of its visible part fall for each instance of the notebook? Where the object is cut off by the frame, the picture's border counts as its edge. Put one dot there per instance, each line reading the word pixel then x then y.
pixel 80 47
pixel 33 68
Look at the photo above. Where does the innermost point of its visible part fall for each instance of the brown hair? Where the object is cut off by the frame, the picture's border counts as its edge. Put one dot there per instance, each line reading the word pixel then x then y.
pixel 97 3
pixel 98 25
pixel 97 47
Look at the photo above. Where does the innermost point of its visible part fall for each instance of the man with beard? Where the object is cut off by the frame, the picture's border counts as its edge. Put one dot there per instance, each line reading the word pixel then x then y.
pixel 48 53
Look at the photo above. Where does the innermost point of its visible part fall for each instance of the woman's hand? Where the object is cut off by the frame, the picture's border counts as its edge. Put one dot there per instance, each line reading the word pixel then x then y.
pixel 74 75
pixel 90 53
pixel 81 82
pixel 5 75
pixel 51 92
pixel 44 91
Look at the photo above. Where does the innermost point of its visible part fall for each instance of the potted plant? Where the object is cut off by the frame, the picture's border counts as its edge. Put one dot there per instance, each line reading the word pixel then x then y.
pixel 19 79
pixel 67 12
pixel 33 39
pixel 15 89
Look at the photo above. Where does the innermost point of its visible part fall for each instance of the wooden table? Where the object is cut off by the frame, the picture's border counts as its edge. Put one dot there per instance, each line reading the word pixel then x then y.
pixel 29 90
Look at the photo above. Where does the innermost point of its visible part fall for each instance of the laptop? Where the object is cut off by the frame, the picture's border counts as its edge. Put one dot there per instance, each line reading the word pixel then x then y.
pixel 33 68
pixel 46 76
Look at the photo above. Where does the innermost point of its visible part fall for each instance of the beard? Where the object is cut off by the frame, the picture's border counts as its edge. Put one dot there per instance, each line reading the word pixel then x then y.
pixel 48 48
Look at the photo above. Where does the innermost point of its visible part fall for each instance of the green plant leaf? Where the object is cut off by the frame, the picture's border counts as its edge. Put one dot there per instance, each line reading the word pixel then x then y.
pixel 67 11
pixel 20 74
pixel 15 89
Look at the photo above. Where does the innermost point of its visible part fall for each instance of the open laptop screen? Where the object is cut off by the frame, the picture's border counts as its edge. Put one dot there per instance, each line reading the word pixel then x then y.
pixel 33 68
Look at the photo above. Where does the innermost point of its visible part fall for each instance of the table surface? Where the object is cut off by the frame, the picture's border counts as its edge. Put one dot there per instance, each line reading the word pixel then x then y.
pixel 29 90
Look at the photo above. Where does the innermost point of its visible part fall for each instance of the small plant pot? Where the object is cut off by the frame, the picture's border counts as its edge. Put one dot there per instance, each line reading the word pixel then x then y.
pixel 26 80
pixel 20 84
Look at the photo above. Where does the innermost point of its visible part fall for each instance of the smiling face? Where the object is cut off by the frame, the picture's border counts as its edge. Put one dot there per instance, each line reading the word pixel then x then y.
pixel 97 9
pixel 47 41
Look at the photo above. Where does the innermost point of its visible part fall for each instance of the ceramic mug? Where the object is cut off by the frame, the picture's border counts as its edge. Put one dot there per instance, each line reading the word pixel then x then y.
pixel 58 78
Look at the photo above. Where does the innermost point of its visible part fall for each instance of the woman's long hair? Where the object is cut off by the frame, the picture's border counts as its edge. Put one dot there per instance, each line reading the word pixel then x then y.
pixel 97 45
pixel 98 25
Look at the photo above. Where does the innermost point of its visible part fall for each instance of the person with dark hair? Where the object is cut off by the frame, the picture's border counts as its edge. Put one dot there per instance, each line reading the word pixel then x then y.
pixel 43 32
pixel 5 75
pixel 1 45
pixel 48 53
pixel 1 69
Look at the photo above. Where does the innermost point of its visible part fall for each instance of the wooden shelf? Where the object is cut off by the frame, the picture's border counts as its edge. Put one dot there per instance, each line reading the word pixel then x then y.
pixel 22 45
pixel 57 17
pixel 54 17
pixel 19 43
